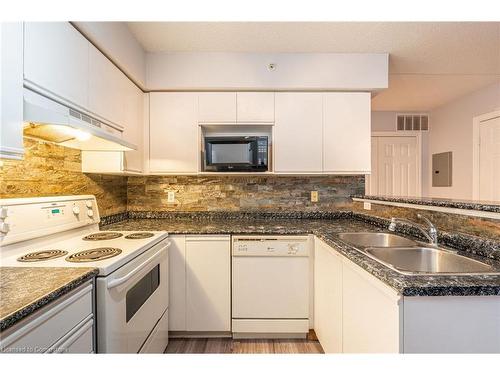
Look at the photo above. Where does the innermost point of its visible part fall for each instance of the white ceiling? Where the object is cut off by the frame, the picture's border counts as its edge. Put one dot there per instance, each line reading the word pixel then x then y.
pixel 431 63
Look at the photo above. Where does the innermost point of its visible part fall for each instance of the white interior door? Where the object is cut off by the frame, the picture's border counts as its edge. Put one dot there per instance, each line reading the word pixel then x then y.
pixel 395 166
pixel 489 160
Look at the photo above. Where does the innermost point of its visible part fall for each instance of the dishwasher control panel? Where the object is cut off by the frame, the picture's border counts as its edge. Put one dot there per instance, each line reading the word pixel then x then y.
pixel 271 246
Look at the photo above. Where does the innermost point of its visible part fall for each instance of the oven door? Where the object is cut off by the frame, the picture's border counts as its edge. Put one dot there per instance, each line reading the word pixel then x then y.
pixel 131 301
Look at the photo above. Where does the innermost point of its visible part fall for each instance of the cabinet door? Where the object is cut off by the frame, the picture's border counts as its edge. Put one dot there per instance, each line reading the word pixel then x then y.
pixel 328 297
pixel 174 138
pixel 255 107
pixel 56 59
pixel 107 88
pixel 208 283
pixel 134 127
pixel 346 132
pixel 11 90
pixel 217 107
pixel 177 284
pixel 297 139
pixel 370 313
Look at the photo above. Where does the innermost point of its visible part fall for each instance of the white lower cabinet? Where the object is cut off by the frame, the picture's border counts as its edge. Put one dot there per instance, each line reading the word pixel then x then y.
pixel 200 284
pixel 354 312
pixel 64 326
pixel 208 283
pixel 177 283
pixel 328 297
pixel 370 313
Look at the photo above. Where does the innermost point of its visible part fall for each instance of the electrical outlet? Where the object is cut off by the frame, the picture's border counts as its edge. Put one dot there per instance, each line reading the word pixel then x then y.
pixel 314 196
pixel 367 205
pixel 171 197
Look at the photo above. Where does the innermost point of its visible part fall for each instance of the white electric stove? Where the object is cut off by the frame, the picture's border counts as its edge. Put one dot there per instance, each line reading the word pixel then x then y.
pixel 132 284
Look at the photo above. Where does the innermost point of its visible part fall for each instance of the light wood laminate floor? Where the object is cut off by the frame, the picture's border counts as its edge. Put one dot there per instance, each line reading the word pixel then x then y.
pixel 230 346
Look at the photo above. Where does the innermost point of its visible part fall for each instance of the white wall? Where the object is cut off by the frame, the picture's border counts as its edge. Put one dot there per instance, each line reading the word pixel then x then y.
pixel 451 130
pixel 120 45
pixel 294 71
pixel 384 121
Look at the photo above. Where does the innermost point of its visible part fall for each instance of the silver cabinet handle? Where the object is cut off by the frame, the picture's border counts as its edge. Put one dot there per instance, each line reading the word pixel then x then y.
pixel 115 282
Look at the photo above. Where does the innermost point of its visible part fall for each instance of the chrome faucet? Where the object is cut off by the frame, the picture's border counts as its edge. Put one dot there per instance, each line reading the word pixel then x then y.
pixel 431 234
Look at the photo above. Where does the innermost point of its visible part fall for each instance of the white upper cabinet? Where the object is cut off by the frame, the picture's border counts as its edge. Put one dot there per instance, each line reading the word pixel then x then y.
pixel 298 131
pixel 174 135
pixel 217 107
pixel 107 88
pixel 255 107
pixel 346 132
pixel 56 58
pixel 134 127
pixel 11 90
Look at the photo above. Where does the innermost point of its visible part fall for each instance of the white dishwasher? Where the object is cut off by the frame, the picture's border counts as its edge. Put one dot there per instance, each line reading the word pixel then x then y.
pixel 270 286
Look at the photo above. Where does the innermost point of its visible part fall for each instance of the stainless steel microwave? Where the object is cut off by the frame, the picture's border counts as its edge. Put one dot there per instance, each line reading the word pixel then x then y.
pixel 236 154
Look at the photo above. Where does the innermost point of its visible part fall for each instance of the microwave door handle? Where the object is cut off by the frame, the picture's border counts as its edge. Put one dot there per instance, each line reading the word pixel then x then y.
pixel 119 281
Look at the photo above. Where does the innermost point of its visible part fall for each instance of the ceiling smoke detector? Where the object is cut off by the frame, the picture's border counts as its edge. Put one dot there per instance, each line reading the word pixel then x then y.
pixel 271 67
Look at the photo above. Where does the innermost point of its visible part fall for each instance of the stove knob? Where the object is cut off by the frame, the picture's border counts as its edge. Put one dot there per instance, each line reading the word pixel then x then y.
pixel 90 213
pixel 4 228
pixel 76 210
pixel 3 212
pixel 88 204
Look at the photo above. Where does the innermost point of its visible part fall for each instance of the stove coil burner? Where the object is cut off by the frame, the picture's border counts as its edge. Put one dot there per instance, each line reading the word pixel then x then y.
pixel 102 236
pixel 139 235
pixel 92 255
pixel 39 256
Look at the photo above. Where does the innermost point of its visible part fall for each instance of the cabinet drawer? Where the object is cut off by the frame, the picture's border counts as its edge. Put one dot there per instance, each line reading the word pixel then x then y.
pixel 79 340
pixel 40 331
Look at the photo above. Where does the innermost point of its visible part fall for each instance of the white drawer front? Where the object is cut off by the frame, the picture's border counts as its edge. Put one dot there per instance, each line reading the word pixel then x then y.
pixel 46 327
pixel 79 340
pixel 158 339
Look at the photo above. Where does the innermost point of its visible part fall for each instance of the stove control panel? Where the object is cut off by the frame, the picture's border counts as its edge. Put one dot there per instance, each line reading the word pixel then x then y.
pixel 26 218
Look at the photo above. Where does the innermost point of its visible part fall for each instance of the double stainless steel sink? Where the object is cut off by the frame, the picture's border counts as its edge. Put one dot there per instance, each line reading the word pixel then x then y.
pixel 412 258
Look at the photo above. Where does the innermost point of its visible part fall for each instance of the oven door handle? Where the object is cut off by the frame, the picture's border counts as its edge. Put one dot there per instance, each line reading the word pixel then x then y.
pixel 119 281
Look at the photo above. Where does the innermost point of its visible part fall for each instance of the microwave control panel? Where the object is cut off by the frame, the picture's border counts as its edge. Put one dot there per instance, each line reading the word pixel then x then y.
pixel 262 151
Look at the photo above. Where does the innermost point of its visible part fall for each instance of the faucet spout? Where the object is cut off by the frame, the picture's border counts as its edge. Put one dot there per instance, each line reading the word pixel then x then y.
pixel 431 234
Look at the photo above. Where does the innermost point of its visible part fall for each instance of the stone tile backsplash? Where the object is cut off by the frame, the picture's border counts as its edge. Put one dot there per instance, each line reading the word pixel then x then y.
pixel 242 193
pixel 48 169
pixel 451 223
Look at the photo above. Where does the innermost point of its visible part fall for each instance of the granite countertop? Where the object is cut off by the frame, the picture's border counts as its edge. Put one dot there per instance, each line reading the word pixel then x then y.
pixel 327 230
pixel 488 206
pixel 24 290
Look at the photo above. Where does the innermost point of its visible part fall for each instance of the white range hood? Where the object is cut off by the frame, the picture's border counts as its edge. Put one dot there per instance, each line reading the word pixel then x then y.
pixel 51 121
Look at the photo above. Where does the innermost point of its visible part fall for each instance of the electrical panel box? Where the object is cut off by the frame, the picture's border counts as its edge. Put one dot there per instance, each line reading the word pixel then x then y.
pixel 442 169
